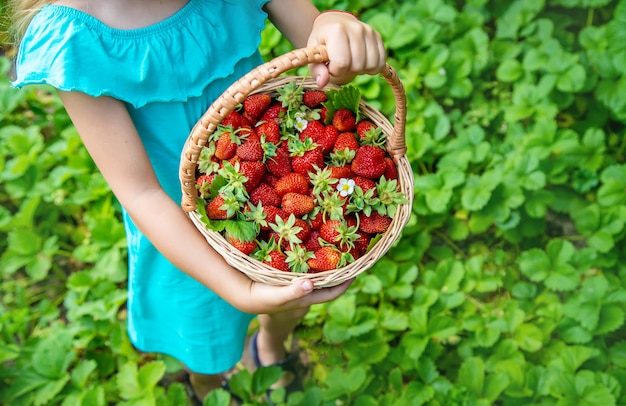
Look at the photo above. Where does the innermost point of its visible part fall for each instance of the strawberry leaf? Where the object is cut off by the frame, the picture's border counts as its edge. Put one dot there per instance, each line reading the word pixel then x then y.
pixel 346 97
pixel 241 230
pixel 215 225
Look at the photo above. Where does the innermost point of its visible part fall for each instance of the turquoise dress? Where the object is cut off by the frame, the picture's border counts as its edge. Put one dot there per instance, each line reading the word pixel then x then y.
pixel 167 74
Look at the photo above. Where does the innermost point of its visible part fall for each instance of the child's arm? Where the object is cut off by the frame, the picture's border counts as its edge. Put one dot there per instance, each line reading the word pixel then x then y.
pixel 353 47
pixel 112 140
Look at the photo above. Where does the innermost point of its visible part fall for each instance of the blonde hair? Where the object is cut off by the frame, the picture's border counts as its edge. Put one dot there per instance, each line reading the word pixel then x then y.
pixel 20 12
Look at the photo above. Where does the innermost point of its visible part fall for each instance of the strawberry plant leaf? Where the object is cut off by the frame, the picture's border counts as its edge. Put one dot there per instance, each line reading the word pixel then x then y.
pixel 240 230
pixel 346 97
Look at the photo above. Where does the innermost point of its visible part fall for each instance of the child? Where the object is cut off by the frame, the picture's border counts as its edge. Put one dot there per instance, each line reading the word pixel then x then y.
pixel 135 76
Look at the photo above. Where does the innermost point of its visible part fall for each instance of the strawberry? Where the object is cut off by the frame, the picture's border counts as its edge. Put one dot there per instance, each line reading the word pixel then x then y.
pixel 365 184
pixel 270 216
pixel 251 149
pixel 277 260
pixel 311 243
pixel 374 223
pixel 226 144
pixel 369 162
pixel 292 182
pixel 328 231
pixel 338 172
pixel 362 243
pixel 328 138
pixel 271 130
pixel 280 164
pixel 269 178
pixel 297 204
pixel 326 259
pixel 306 229
pixel 256 104
pixel 235 120
pixel 391 172
pixel 346 140
pixel 363 127
pixel 314 130
pixel 306 163
pixel 254 171
pixel 344 120
pixel 275 112
pixel 266 195
pixel 313 98
pixel 247 247
pixel 317 220
pixel 203 182
pixel 214 211
pixel 323 114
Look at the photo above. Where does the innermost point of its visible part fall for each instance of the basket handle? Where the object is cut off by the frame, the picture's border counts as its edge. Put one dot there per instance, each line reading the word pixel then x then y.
pixel 238 91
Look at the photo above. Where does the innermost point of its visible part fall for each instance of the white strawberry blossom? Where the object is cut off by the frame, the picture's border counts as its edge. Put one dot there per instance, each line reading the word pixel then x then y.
pixel 345 187
pixel 301 124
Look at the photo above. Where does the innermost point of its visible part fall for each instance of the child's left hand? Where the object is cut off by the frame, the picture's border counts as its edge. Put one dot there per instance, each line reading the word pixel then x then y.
pixel 353 48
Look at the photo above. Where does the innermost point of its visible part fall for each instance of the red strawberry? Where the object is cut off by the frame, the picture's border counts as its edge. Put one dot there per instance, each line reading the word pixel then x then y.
pixel 362 243
pixel 346 140
pixel 305 163
pixel 254 171
pixel 270 216
pixel 275 112
pixel 213 210
pixel 374 223
pixel 226 145
pixel 323 114
pixel 314 130
pixel 292 182
pixel 256 104
pixel 250 149
pixel 306 229
pixel 313 98
pixel 266 195
pixel 391 172
pixel 328 231
pixel 363 127
pixel 280 164
pixel 326 259
pixel 339 172
pixel 235 120
pixel 311 243
pixel 316 222
pixel 277 260
pixel 244 246
pixel 203 182
pixel 328 139
pixel 365 184
pixel 344 120
pixel 269 178
pixel 369 161
pixel 271 130
pixel 297 204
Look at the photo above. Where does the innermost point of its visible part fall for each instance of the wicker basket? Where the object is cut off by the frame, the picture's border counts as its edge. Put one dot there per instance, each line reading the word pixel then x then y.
pixel 266 78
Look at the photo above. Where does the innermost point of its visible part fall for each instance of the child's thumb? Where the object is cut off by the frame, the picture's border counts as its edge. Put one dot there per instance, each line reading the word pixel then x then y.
pixel 301 288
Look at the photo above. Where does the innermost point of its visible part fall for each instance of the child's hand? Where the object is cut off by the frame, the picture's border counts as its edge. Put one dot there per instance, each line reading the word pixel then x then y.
pixel 268 299
pixel 353 48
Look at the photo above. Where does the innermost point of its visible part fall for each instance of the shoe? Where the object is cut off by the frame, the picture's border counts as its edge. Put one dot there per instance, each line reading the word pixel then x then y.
pixel 291 364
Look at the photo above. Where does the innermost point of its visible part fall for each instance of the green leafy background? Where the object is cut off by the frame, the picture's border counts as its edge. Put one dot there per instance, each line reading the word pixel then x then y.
pixel 507 287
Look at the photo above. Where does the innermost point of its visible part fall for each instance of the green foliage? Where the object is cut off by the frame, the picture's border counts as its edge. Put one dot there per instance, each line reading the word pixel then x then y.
pixel 506 287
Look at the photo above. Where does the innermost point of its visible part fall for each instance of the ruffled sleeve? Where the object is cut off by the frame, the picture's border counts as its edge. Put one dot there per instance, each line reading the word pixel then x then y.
pixel 170 61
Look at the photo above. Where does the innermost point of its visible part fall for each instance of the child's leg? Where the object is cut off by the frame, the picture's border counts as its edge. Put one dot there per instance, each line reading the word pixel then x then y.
pixel 202 384
pixel 274 329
